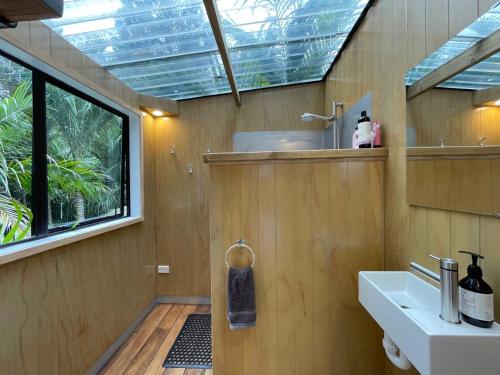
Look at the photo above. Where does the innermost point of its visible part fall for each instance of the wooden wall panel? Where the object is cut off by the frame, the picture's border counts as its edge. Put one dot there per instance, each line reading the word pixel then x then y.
pixel 467 185
pixel 60 310
pixel 436 24
pixel 373 62
pixel 28 310
pixel 182 208
pixel 313 227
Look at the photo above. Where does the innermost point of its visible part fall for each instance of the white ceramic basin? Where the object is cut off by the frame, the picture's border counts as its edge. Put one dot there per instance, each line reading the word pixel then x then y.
pixel 407 308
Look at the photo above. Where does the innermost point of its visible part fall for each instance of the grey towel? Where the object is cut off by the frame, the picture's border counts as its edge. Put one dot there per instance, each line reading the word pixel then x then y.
pixel 241 298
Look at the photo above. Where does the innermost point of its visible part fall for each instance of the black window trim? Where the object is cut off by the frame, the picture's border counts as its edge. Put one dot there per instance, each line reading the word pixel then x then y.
pixel 40 204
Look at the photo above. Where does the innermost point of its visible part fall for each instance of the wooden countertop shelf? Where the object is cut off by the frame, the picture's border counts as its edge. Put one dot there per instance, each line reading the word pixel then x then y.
pixel 291 156
pixel 453 152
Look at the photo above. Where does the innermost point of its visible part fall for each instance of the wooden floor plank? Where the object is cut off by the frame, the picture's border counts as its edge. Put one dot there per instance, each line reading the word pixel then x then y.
pixel 150 348
pixel 194 371
pixel 175 371
pixel 203 309
pixel 146 350
pixel 122 359
pixel 162 351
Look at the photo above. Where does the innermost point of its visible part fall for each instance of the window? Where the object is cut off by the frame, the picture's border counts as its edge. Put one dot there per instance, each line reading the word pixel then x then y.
pixel 64 156
pixel 85 154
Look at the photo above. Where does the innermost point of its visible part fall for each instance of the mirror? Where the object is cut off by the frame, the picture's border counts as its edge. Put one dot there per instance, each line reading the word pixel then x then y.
pixel 453 122
pixel 452 106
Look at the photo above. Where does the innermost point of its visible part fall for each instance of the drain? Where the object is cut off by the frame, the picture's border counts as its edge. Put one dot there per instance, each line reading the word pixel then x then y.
pixel 404 306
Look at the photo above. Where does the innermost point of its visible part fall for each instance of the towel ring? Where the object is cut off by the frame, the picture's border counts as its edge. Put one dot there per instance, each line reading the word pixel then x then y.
pixel 240 244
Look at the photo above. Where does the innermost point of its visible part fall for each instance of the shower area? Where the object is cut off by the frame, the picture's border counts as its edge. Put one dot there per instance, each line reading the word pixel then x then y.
pixel 337 134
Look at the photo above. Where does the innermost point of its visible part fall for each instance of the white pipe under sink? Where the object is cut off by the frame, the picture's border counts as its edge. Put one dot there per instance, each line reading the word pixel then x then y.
pixel 394 353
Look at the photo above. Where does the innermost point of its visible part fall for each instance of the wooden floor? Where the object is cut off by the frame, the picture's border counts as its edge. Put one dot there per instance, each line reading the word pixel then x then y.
pixel 147 348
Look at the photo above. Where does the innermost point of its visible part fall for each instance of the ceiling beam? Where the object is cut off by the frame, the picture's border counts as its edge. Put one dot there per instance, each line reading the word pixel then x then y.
pixel 486 96
pixel 468 58
pixel 151 104
pixel 214 18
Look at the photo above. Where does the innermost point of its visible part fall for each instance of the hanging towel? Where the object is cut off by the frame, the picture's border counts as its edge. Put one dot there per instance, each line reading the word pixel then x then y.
pixel 241 298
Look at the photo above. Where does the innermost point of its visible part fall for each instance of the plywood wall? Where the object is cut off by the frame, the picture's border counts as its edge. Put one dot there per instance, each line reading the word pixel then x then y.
pixel 449 114
pixel 60 310
pixel 463 184
pixel 182 202
pixel 373 62
pixel 313 226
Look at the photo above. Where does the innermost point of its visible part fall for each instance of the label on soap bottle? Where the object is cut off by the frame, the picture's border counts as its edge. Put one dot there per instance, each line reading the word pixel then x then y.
pixel 476 305
pixel 365 133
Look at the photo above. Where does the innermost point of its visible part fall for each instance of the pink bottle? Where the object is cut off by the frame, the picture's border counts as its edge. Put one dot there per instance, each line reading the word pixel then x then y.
pixel 376 134
pixel 355 140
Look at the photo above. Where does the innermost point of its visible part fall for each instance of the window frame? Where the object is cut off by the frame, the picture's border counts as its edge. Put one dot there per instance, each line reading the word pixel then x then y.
pixel 39 188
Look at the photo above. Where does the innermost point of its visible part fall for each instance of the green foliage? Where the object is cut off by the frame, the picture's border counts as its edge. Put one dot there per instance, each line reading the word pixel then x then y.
pixel 80 131
pixel 83 163
pixel 69 177
pixel 15 220
pixel 15 144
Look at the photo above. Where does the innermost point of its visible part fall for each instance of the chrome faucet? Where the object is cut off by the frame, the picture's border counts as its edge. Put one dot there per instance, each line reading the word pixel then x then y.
pixel 482 141
pixel 448 278
pixel 442 142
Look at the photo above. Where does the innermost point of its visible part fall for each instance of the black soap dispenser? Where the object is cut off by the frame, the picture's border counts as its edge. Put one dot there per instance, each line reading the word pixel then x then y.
pixel 364 131
pixel 476 296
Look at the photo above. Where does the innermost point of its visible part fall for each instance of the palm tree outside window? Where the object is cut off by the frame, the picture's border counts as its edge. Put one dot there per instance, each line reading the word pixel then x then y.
pixel 86 146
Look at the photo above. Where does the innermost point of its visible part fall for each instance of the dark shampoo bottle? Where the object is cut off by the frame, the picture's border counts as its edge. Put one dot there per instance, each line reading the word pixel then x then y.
pixel 476 296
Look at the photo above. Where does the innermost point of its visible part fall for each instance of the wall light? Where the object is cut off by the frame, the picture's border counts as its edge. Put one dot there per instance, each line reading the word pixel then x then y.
pixel 157 113
pixel 497 102
pixel 144 113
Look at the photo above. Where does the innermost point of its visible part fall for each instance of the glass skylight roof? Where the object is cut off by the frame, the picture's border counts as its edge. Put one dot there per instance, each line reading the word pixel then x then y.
pixel 166 48
pixel 483 75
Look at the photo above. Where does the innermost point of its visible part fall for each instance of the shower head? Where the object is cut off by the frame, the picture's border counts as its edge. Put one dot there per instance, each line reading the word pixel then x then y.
pixel 306 117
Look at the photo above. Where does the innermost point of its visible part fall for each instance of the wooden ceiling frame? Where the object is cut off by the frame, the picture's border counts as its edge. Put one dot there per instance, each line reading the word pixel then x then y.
pixel 214 18
pixel 468 58
pixel 152 104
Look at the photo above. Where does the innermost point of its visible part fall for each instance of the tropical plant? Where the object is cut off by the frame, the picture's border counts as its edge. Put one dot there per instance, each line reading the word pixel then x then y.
pixel 15 220
pixel 81 131
pixel 15 142
pixel 83 164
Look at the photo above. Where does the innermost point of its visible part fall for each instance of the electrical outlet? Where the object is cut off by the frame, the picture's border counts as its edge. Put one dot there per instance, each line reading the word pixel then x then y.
pixel 163 269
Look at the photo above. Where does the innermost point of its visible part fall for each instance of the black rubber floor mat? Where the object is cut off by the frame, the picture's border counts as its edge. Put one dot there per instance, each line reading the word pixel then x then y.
pixel 193 345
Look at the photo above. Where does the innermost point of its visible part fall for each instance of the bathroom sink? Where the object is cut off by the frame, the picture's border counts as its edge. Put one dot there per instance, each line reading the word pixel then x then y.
pixel 407 309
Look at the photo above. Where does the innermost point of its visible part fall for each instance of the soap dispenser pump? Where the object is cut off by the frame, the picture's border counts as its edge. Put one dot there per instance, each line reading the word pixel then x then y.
pixel 475 295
